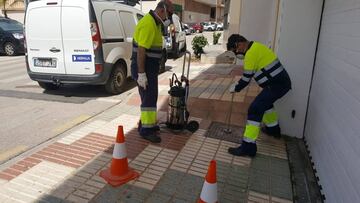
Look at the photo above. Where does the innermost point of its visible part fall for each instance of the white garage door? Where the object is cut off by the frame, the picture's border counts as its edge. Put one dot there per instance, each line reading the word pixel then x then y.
pixel 333 123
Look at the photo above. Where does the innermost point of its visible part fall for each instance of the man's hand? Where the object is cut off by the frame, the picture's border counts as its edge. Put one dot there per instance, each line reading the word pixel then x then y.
pixel 232 87
pixel 142 80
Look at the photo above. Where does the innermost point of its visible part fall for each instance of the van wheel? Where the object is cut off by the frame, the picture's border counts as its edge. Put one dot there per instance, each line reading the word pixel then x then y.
pixel 9 49
pixel 116 81
pixel 48 86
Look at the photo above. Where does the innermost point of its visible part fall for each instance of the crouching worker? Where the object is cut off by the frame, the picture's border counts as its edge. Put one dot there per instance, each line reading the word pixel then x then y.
pixel 262 64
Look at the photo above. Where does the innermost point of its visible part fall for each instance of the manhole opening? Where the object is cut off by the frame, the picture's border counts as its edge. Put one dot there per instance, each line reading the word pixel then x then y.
pixel 217 131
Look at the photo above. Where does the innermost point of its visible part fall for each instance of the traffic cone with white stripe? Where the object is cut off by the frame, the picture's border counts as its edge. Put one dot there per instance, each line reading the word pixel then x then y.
pixel 119 173
pixel 209 190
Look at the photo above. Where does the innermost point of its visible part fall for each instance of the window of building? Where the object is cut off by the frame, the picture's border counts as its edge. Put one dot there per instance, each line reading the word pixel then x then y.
pixel 213 12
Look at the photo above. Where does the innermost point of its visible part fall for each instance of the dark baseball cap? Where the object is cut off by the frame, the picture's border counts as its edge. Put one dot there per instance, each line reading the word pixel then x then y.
pixel 233 39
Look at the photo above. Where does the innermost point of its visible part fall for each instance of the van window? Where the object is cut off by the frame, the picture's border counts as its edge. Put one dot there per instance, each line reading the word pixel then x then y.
pixel 128 21
pixel 111 25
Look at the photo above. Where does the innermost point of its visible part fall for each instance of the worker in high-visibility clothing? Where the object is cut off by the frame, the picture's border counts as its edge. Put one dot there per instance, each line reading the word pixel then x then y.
pixel 262 64
pixel 145 61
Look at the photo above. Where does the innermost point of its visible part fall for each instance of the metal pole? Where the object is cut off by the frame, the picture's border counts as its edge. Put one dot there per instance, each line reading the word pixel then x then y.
pixel 228 130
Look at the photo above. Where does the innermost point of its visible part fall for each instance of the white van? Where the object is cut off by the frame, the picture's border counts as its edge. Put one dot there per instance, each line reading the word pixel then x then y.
pixel 176 39
pixel 79 42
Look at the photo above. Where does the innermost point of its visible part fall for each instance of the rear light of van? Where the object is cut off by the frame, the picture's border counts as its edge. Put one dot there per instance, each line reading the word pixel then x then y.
pixel 98 68
pixel 172 30
pixel 95 34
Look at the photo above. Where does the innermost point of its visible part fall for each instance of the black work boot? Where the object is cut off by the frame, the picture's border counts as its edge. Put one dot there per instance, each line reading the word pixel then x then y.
pixel 272 131
pixel 152 137
pixel 156 128
pixel 245 149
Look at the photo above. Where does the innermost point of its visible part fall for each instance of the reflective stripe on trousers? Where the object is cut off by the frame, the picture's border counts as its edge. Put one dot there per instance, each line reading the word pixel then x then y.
pixel 262 103
pixel 270 118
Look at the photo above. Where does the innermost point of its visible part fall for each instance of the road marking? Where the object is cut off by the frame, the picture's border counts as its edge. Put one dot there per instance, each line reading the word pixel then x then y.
pixel 71 124
pixel 12 152
pixel 109 100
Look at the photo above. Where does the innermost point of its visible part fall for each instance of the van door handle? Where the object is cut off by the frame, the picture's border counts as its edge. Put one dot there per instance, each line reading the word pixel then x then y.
pixel 54 50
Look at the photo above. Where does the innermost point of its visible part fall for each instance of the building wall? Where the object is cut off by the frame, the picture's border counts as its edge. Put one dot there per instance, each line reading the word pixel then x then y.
pixel 333 130
pixel 16 15
pixel 193 12
pixel 193 6
pixel 233 21
pixel 258 26
pixel 194 17
pixel 258 20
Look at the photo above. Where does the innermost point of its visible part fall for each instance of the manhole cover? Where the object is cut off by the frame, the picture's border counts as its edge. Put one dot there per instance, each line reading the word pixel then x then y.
pixel 217 131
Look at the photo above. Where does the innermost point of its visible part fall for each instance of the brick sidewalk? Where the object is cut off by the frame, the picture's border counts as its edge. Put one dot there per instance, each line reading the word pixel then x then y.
pixel 172 171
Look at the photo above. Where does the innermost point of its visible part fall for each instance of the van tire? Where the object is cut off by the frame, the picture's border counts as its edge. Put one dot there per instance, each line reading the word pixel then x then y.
pixel 49 86
pixel 9 49
pixel 117 79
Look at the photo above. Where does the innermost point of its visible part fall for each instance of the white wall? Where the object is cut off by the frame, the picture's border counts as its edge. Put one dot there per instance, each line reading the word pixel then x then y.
pixel 16 15
pixel 296 44
pixel 333 124
pixel 258 20
pixel 147 6
pixel 233 20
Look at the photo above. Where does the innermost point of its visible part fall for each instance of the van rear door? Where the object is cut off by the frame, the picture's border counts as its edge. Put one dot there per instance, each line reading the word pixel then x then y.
pixel 77 37
pixel 43 37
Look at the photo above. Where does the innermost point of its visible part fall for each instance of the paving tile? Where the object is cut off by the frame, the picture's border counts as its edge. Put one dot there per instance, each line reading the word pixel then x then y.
pixel 157 197
pixel 258 197
pixel 77 199
pixel 51 198
pixel 259 182
pixel 281 187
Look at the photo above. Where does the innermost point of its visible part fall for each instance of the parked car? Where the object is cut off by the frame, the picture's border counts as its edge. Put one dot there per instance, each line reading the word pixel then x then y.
pixel 198 28
pixel 220 26
pixel 209 26
pixel 188 30
pixel 82 42
pixel 11 37
pixel 175 39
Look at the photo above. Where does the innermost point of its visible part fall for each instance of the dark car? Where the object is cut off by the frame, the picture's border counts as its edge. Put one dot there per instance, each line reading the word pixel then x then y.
pixel 11 37
pixel 198 28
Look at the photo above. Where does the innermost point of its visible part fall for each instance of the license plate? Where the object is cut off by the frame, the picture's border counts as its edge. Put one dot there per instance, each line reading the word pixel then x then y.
pixel 45 62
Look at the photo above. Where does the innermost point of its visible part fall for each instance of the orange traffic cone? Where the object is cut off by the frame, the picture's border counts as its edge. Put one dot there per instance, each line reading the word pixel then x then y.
pixel 119 173
pixel 209 190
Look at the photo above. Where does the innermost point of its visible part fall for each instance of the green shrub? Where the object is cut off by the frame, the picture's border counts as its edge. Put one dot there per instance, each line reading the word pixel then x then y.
pixel 216 37
pixel 198 43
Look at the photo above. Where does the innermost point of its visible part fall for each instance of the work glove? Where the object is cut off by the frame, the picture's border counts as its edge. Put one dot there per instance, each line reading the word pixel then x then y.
pixel 233 87
pixel 142 80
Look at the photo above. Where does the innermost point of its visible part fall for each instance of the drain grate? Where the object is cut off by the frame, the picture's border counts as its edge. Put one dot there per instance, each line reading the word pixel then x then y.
pixel 216 131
